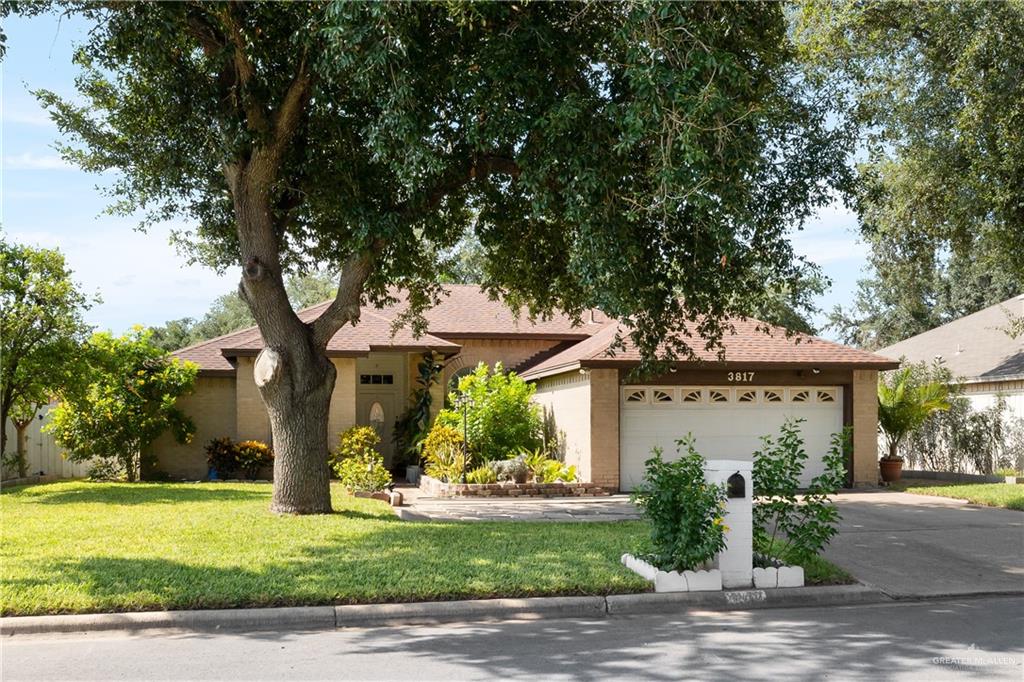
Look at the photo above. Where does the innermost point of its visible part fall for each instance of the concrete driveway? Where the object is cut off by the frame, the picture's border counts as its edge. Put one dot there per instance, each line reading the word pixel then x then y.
pixel 919 546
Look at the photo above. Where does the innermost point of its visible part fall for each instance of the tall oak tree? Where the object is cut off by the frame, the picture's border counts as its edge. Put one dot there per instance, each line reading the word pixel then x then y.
pixel 609 155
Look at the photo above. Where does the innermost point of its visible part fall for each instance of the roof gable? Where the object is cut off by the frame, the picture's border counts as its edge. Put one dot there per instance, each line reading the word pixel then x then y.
pixel 974 347
pixel 751 342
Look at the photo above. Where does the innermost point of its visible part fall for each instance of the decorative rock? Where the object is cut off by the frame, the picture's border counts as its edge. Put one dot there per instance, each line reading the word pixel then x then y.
pixel 671 582
pixel 395 498
pixel 766 578
pixel 703 581
pixel 791 576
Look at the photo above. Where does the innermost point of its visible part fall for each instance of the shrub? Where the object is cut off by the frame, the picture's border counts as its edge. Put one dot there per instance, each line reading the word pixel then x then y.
pixel 442 453
pixel 685 512
pixel 253 455
pixel 482 474
pixel 222 457
pixel 963 438
pixel 513 470
pixel 228 458
pixel 363 473
pixel 547 470
pixel 801 529
pixel 356 441
pixel 501 417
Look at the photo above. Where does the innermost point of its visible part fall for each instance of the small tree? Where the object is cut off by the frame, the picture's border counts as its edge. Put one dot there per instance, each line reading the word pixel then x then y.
pixel 791 525
pixel 126 400
pixel 502 419
pixel 41 328
pixel 904 404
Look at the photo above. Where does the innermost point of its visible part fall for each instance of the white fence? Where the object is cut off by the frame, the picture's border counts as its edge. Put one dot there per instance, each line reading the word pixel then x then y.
pixel 44 455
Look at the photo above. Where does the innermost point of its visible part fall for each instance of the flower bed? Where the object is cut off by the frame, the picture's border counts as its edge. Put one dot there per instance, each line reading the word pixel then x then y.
pixel 435 488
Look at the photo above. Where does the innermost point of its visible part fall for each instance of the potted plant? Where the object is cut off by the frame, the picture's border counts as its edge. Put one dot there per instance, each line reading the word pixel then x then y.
pixel 904 403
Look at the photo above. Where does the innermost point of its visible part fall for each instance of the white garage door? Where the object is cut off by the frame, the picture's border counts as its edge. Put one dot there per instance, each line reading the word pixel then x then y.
pixel 727 422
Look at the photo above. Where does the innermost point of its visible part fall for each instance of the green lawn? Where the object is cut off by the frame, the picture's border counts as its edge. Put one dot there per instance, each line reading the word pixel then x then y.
pixel 1005 495
pixel 77 547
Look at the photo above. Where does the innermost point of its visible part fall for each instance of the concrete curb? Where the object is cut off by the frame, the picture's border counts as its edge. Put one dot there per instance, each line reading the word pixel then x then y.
pixel 371 615
pixel 741 600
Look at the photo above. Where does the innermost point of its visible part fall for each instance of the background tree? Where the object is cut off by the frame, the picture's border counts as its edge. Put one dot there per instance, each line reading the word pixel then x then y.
pixel 893 304
pixel 125 400
pixel 938 92
pixel 606 155
pixel 229 312
pixel 40 328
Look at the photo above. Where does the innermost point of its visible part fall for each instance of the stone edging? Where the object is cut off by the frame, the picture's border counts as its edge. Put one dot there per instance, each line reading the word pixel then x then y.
pixel 432 487
pixel 370 615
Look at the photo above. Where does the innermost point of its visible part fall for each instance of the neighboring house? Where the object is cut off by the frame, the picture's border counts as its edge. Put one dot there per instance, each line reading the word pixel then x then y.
pixel 984 359
pixel 608 422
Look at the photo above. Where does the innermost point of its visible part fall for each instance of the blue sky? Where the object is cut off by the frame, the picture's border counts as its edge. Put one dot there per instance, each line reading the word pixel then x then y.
pixel 140 277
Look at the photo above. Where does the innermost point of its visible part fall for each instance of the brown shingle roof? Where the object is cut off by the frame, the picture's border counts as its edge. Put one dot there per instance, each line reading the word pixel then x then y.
pixel 747 345
pixel 975 347
pixel 465 312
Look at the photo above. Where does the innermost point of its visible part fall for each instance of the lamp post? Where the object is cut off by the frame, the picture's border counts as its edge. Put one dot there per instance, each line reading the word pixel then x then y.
pixel 464 401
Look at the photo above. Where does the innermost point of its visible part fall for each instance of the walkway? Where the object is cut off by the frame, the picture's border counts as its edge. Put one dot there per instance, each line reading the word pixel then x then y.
pixel 610 508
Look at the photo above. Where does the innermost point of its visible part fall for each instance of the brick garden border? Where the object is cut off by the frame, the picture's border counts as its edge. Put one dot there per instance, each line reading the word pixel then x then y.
pixel 432 487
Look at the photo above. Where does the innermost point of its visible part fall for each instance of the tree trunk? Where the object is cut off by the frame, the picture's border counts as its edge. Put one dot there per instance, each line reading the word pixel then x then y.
pixel 296 388
pixel 22 430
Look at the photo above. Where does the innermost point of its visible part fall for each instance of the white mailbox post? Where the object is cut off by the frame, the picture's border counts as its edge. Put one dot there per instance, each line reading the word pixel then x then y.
pixel 737 561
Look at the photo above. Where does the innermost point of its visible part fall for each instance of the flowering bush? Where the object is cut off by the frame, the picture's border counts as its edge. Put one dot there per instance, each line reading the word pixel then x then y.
pixel 227 458
pixel 684 510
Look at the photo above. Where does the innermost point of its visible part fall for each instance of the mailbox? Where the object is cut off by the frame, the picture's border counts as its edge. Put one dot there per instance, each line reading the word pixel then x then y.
pixel 736 486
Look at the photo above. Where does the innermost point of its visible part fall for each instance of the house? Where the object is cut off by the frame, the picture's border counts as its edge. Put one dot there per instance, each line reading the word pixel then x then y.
pixel 977 349
pixel 608 420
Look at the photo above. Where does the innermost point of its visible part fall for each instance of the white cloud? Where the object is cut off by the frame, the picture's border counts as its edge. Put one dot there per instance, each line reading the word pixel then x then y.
pixel 37 117
pixel 31 161
pixel 140 277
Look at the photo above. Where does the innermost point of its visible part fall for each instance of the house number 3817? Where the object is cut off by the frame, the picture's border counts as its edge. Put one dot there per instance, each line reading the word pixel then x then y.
pixel 741 376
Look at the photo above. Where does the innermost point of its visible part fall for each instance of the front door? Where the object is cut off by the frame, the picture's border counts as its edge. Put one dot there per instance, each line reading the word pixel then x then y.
pixel 379 386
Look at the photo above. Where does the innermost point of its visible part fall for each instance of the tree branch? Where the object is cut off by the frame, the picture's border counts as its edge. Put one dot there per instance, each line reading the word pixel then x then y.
pixel 477 168
pixel 345 306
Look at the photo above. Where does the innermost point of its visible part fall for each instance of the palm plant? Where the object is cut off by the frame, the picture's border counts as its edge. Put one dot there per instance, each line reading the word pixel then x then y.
pixel 904 404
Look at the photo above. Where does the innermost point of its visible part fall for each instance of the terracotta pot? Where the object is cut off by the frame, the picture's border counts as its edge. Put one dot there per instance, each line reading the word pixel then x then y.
pixel 892 469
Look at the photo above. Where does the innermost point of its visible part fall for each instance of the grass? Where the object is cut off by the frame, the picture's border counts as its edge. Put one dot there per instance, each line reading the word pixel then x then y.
pixel 78 547
pixel 1005 495
pixel 817 571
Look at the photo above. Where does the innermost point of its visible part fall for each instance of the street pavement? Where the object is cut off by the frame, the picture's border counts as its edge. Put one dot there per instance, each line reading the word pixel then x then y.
pixel 913 546
pixel 967 639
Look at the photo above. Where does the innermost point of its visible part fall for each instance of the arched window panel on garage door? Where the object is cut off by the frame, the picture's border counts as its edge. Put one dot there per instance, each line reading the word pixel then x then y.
pixel 691 395
pixel 663 396
pixel 774 395
pixel 825 395
pixel 719 395
pixel 799 395
pixel 634 396
pixel 746 395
